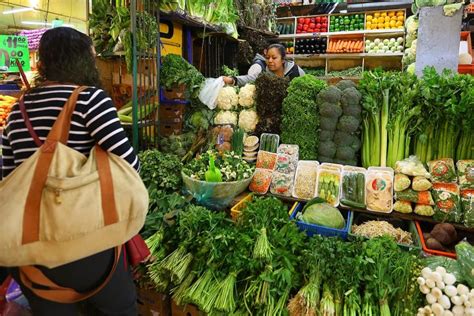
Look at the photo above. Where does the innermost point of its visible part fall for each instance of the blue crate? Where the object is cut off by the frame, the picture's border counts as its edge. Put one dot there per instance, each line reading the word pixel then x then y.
pixel 311 229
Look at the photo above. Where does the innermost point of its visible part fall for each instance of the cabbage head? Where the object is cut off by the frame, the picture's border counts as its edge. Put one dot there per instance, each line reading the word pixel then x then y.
pixel 323 214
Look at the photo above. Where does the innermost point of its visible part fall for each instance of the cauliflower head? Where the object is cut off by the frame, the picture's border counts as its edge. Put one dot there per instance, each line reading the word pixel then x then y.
pixel 225 117
pixel 411 24
pixel 247 95
pixel 248 120
pixel 227 98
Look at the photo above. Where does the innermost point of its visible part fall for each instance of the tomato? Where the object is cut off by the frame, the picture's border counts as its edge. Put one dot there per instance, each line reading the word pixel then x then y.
pixel 299 27
pixel 313 20
pixel 446 205
pixel 312 25
pixel 324 25
pixel 305 27
pixel 324 19
pixel 307 20
pixel 301 20
pixel 318 19
pixel 318 25
pixel 299 31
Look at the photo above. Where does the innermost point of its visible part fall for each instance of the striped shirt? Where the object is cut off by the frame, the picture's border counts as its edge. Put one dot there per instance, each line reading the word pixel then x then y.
pixel 94 121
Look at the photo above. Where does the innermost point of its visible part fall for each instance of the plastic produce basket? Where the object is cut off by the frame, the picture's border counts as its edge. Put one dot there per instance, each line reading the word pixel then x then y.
pixel 237 208
pixel 406 225
pixel 311 229
pixel 426 227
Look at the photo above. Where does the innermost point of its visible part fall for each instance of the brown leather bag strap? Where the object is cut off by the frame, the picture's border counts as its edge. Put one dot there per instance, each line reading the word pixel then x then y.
pixel 26 119
pixel 60 130
pixel 31 276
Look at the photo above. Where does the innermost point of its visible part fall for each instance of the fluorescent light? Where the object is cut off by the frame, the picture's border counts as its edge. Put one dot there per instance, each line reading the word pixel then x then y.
pixel 43 23
pixel 12 11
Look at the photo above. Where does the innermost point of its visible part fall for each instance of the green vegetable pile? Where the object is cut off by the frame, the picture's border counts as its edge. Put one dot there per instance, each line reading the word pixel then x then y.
pixel 300 119
pixel 263 265
pixel 176 70
pixel 340 115
pixel 161 174
pixel 318 212
pixel 232 166
pixel 431 117
pixel 271 90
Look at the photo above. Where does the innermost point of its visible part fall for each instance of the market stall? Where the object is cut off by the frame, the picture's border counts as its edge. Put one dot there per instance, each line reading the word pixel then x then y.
pixel 345 191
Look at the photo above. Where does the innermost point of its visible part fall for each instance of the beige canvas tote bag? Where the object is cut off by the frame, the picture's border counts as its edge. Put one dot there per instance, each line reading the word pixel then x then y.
pixel 59 206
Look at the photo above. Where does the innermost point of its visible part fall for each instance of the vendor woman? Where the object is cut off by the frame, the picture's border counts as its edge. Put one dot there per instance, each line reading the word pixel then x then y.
pixel 275 63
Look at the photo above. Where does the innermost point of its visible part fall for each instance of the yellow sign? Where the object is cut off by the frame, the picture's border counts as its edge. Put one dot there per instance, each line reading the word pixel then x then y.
pixel 171 36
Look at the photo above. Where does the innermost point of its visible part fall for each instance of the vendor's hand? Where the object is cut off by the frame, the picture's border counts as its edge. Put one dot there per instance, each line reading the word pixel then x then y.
pixel 228 80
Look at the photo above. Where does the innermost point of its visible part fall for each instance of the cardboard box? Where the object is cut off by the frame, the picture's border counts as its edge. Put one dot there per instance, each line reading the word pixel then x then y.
pixel 152 303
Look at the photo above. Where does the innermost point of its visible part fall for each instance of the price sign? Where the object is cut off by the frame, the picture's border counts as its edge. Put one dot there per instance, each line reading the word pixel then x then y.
pixel 13 48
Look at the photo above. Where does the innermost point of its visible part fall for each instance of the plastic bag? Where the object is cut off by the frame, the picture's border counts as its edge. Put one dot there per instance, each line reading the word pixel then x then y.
pixel 410 195
pixel 442 170
pixel 465 254
pixel 411 166
pixel 210 91
pixel 467 202
pixel 402 182
pixel 421 184
pixel 447 202
pixel 466 173
pixel 403 207
pixel 451 266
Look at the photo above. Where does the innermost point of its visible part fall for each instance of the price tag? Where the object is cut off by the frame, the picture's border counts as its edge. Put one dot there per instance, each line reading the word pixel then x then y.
pixel 14 48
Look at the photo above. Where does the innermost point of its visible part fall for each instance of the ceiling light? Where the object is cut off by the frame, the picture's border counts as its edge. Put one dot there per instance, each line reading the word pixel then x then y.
pixel 18 10
pixel 43 23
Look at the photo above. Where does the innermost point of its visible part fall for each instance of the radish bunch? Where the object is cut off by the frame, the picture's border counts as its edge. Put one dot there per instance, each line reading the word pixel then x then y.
pixel 444 298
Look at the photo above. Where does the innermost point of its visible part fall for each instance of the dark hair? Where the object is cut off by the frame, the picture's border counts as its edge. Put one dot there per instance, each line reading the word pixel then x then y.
pixel 66 56
pixel 281 49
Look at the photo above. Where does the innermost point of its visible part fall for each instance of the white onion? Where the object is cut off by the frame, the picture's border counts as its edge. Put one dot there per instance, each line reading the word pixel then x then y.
pixel 421 281
pixel 436 293
pixel 436 277
pixel 424 289
pixel 437 309
pixel 430 299
pixel 449 279
pixel 462 289
pixel 448 313
pixel 445 302
pixel 441 270
pixel 450 290
pixel 456 300
pixel 458 310
pixel 440 285
pixel 426 273
pixel 431 283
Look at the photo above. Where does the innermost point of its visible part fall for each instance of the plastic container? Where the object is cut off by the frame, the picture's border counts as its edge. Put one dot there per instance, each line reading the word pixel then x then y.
pixel 329 179
pixel 379 186
pixel 261 181
pixel 282 183
pixel 269 142
pixel 266 160
pixel 408 226
pixel 237 208
pixel 306 169
pixel 349 191
pixel 311 229
pixel 286 164
pixel 291 150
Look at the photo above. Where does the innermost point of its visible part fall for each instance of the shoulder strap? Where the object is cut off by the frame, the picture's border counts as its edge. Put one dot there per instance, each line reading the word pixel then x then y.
pixel 261 63
pixel 26 119
pixel 33 277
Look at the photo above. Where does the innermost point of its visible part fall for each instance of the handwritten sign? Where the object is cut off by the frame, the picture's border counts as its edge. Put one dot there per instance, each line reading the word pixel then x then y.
pixel 12 48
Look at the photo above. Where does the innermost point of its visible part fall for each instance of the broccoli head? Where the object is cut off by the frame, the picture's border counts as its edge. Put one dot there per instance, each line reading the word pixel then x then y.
pixel 345 84
pixel 330 94
pixel 346 162
pixel 350 102
pixel 330 110
pixel 327 149
pixel 328 124
pixel 345 153
pixel 357 143
pixel 326 135
pixel 342 139
pixel 348 124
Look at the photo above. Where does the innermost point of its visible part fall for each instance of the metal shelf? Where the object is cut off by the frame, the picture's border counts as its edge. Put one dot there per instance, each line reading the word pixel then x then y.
pixel 329 34
pixel 350 55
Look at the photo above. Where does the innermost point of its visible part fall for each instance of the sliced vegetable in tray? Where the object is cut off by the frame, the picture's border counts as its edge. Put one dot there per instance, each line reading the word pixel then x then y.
pixel 328 186
pixel 305 180
pixel 282 184
pixel 353 187
pixel 261 181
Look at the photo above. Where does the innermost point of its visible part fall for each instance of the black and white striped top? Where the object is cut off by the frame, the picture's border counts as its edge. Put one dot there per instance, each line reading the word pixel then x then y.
pixel 94 121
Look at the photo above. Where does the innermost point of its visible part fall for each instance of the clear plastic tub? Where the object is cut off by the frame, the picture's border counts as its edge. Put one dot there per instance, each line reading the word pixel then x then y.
pixel 286 164
pixel 379 189
pixel 269 142
pixel 266 160
pixel 353 187
pixel 306 179
pixel 290 150
pixel 282 184
pixel 328 186
pixel 261 181
pixel 331 166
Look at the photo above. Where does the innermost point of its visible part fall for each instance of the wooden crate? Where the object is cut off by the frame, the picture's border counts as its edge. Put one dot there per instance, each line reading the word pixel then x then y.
pixel 187 310
pixel 170 112
pixel 152 303
pixel 167 128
